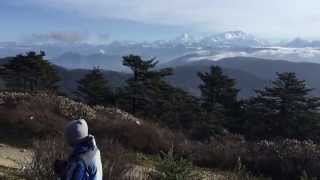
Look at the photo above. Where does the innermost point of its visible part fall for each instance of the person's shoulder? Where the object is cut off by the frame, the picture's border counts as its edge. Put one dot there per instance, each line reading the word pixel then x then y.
pixel 75 166
pixel 76 162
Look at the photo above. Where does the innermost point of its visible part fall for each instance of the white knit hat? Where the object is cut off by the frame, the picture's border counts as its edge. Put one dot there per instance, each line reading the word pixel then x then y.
pixel 76 131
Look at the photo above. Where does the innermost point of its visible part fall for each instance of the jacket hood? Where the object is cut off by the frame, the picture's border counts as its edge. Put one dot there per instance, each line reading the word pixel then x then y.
pixel 88 144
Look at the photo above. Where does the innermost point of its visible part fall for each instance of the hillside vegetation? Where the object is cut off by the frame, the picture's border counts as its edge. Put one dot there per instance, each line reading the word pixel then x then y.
pixel 126 141
pixel 162 131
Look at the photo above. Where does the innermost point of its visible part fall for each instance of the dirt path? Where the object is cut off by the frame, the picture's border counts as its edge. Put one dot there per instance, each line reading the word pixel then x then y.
pixel 12 157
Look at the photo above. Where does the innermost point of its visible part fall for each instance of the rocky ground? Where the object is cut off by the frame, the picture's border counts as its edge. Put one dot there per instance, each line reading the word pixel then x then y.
pixel 12 160
pixel 12 157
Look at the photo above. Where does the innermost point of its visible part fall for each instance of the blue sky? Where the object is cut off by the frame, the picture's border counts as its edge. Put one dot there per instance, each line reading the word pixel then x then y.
pixel 104 20
pixel 21 22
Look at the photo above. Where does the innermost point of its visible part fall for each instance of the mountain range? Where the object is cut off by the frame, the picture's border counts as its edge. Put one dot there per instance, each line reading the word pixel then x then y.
pixel 212 46
pixel 249 73
pixel 222 40
pixel 251 61
pixel 301 43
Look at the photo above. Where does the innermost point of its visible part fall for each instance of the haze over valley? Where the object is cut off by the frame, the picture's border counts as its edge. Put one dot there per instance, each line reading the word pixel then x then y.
pixel 182 49
pixel 251 61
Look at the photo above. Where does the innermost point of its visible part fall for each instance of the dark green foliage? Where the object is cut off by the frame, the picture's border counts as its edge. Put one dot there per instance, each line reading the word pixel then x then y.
pixel 218 90
pixel 219 101
pixel 140 94
pixel 94 88
pixel 137 92
pixel 286 109
pixel 175 108
pixel 171 167
pixel 148 95
pixel 29 72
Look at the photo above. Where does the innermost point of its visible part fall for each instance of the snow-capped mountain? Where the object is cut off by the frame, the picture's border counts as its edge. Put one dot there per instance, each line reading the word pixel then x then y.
pixel 302 43
pixel 185 38
pixel 299 43
pixel 186 47
pixel 184 43
pixel 228 39
pixel 311 55
pixel 232 39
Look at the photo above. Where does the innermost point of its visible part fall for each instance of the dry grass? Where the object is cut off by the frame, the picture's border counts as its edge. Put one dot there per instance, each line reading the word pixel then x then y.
pixel 45 152
pixel 38 115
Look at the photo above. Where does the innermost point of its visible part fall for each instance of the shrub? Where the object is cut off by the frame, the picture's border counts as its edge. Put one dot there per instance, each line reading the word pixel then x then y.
pixel 46 115
pixel 241 175
pixel 222 153
pixel 281 159
pixel 35 116
pixel 45 152
pixel 285 158
pixel 115 159
pixel 171 167
pixel 61 105
pixel 133 134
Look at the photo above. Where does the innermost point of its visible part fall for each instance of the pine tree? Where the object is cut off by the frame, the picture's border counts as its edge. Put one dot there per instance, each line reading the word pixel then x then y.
pixel 171 167
pixel 144 84
pixel 149 96
pixel 93 89
pixel 30 72
pixel 218 90
pixel 176 108
pixel 219 102
pixel 286 109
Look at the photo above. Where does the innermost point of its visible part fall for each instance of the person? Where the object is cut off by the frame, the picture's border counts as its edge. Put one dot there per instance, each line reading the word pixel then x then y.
pixel 84 163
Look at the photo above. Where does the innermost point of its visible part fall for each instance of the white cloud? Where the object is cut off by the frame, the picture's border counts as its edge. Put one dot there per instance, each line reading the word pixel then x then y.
pixel 67 37
pixel 273 53
pixel 265 17
pixel 101 51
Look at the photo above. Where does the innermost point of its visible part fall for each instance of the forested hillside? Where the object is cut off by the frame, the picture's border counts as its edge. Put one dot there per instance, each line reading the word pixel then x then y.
pixel 172 130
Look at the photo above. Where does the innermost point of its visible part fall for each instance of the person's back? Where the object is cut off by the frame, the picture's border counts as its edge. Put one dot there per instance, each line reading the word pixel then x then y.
pixel 85 162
